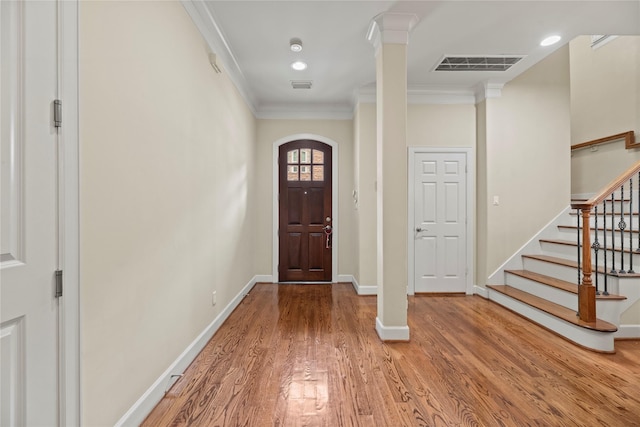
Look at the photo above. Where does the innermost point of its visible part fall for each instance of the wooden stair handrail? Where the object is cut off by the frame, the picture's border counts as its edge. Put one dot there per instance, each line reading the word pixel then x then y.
pixel 607 190
pixel 629 141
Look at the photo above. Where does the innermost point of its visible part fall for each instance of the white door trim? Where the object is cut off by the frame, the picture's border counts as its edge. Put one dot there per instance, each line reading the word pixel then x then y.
pixel 69 222
pixel 334 199
pixel 470 205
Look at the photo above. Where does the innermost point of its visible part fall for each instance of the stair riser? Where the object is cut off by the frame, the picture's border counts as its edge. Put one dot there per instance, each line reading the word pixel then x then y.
pixel 571 236
pixel 554 270
pixel 570 252
pixel 633 224
pixel 559 296
pixel 569 274
pixel 609 310
pixel 601 341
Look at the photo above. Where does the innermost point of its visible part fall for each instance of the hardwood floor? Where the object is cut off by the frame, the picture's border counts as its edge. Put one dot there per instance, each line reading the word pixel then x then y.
pixel 293 355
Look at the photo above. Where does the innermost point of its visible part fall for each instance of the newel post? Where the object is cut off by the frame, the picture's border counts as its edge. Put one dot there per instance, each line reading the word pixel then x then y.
pixel 586 290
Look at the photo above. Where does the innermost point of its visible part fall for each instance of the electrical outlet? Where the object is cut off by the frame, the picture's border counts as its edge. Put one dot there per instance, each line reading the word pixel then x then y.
pixel 214 298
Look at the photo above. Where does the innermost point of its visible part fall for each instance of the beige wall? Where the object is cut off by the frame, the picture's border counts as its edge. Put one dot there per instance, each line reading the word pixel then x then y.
pixel 365 184
pixel 441 126
pixel 270 131
pixel 605 100
pixel 166 198
pixel 527 160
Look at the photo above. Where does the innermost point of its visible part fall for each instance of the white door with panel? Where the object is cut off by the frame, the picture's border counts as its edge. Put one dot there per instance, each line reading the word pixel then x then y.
pixel 440 212
pixel 29 249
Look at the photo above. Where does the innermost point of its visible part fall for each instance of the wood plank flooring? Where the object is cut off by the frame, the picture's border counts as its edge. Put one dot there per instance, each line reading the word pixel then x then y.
pixel 308 355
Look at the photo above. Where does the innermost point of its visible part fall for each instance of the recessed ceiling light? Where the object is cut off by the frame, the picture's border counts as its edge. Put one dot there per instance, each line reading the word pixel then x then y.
pixel 295 45
pixel 550 40
pixel 299 65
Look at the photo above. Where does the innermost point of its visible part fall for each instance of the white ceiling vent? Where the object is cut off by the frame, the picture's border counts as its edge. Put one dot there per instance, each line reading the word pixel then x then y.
pixel 478 62
pixel 301 84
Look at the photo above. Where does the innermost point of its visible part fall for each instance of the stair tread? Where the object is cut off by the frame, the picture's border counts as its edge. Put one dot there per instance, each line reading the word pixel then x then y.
pixel 552 259
pixel 553 309
pixel 558 283
pixel 574 264
pixel 560 242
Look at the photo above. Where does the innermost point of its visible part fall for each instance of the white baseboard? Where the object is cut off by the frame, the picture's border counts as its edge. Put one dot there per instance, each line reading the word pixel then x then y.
pixel 263 278
pixel 367 290
pixel 145 404
pixel 392 333
pixel 360 290
pixel 478 290
pixel 345 278
pixel 628 331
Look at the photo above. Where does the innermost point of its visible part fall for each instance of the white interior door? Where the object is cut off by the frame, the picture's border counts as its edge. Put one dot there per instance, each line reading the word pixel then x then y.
pixel 440 214
pixel 29 242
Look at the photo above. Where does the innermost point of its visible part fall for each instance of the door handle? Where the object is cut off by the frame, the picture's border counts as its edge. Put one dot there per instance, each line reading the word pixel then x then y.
pixel 328 231
pixel 419 229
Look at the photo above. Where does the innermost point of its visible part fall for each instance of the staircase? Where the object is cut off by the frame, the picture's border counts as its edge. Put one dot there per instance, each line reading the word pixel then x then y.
pixel 540 282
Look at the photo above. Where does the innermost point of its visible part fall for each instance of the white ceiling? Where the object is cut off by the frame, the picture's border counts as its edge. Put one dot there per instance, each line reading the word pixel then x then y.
pixel 251 39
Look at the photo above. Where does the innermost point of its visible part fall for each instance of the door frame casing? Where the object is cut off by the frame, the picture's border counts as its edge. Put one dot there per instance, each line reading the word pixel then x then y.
pixel 69 215
pixel 334 200
pixel 470 206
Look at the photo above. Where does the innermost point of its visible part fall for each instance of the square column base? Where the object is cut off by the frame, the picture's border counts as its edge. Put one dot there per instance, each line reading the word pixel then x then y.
pixel 392 333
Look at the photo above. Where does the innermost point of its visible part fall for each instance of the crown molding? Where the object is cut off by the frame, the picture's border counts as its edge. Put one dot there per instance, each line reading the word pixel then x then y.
pixel 435 95
pixel 212 34
pixel 387 27
pixel 425 95
pixel 306 112
pixel 488 90
pixel 364 95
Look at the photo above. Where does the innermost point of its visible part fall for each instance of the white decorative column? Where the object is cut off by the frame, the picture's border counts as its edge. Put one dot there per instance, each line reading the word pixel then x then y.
pixel 389 34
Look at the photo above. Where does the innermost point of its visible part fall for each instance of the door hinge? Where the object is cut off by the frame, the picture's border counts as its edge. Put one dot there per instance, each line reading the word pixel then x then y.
pixel 58 283
pixel 57 113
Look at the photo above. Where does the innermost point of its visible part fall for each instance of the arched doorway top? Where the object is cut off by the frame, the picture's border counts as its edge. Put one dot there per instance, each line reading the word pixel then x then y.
pixel 310 136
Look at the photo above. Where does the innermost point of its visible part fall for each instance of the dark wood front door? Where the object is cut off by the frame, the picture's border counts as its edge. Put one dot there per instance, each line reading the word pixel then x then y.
pixel 305 212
